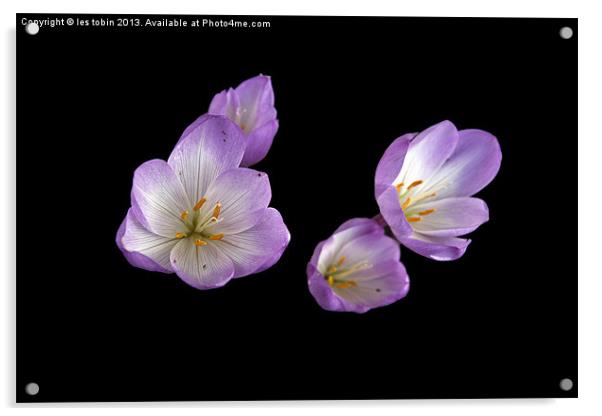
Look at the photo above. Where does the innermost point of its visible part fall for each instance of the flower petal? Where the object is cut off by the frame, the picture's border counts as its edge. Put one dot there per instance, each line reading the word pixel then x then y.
pixel 259 142
pixel 196 123
pixel 158 198
pixel 204 267
pixel 244 195
pixel 148 251
pixel 372 248
pixel 381 284
pixel 391 162
pixel 256 97
pixel 322 292
pixel 436 248
pixel 348 231
pixel 390 209
pixel 427 152
pixel 474 163
pixel 386 283
pixel 452 216
pixel 225 104
pixel 258 246
pixel 212 147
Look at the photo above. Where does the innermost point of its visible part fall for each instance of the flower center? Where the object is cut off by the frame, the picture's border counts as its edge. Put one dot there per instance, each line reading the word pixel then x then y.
pixel 198 223
pixel 337 274
pixel 410 196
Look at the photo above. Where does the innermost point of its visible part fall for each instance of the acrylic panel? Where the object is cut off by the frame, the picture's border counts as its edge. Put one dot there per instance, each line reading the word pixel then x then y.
pixel 467 107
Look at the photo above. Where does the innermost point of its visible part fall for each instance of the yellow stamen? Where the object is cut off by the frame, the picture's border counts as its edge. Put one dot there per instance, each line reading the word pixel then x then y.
pixel 399 186
pixel 341 260
pixel 199 204
pixel 200 243
pixel 184 215
pixel 346 285
pixel 332 269
pixel 330 280
pixel 413 184
pixel 217 210
pixel 406 203
pixel 427 211
pixel 217 236
pixel 414 219
pixel 180 235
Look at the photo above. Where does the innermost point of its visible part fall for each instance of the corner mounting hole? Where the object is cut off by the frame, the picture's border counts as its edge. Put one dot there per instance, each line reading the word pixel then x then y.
pixel 566 384
pixel 566 32
pixel 32 389
pixel 32 28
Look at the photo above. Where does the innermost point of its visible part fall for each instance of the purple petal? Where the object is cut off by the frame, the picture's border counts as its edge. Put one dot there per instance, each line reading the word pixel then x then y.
pixel 347 232
pixel 323 293
pixel 385 283
pixel 256 97
pixel 259 142
pixel 195 124
pixel 204 267
pixel 212 147
pixel 372 248
pixel 366 259
pixel 253 250
pixel 390 209
pixel 427 152
pixel 436 248
pixel 158 198
pixel 474 164
pixel 147 242
pixel 452 217
pixel 391 162
pixel 225 103
pixel 244 194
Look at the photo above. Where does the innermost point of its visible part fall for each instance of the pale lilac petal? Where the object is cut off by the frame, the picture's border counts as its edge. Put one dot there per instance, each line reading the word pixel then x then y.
pixel 256 97
pixel 436 248
pixel 254 248
pixel 150 246
pixel 427 152
pixel 244 194
pixel 225 103
pixel 385 283
pixel 196 123
pixel 259 142
pixel 212 147
pixel 348 231
pixel 390 209
pixel 391 162
pixel 323 293
pixel 371 248
pixel 452 217
pixel 474 163
pixel 158 198
pixel 204 267
pixel 368 260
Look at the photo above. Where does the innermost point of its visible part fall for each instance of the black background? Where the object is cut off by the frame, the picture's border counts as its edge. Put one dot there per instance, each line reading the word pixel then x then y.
pixel 94 103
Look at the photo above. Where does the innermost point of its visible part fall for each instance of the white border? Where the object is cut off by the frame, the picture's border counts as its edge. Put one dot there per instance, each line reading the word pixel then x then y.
pixel 590 201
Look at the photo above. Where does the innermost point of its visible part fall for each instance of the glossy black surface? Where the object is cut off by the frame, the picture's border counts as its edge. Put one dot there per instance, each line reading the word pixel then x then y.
pixel 93 103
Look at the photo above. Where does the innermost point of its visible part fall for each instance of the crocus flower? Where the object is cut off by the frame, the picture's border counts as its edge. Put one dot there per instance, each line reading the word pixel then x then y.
pixel 199 214
pixel 250 106
pixel 357 269
pixel 424 183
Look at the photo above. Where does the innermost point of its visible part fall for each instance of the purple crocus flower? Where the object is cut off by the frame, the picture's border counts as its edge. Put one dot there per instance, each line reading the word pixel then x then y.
pixel 251 106
pixel 357 269
pixel 424 183
pixel 199 214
